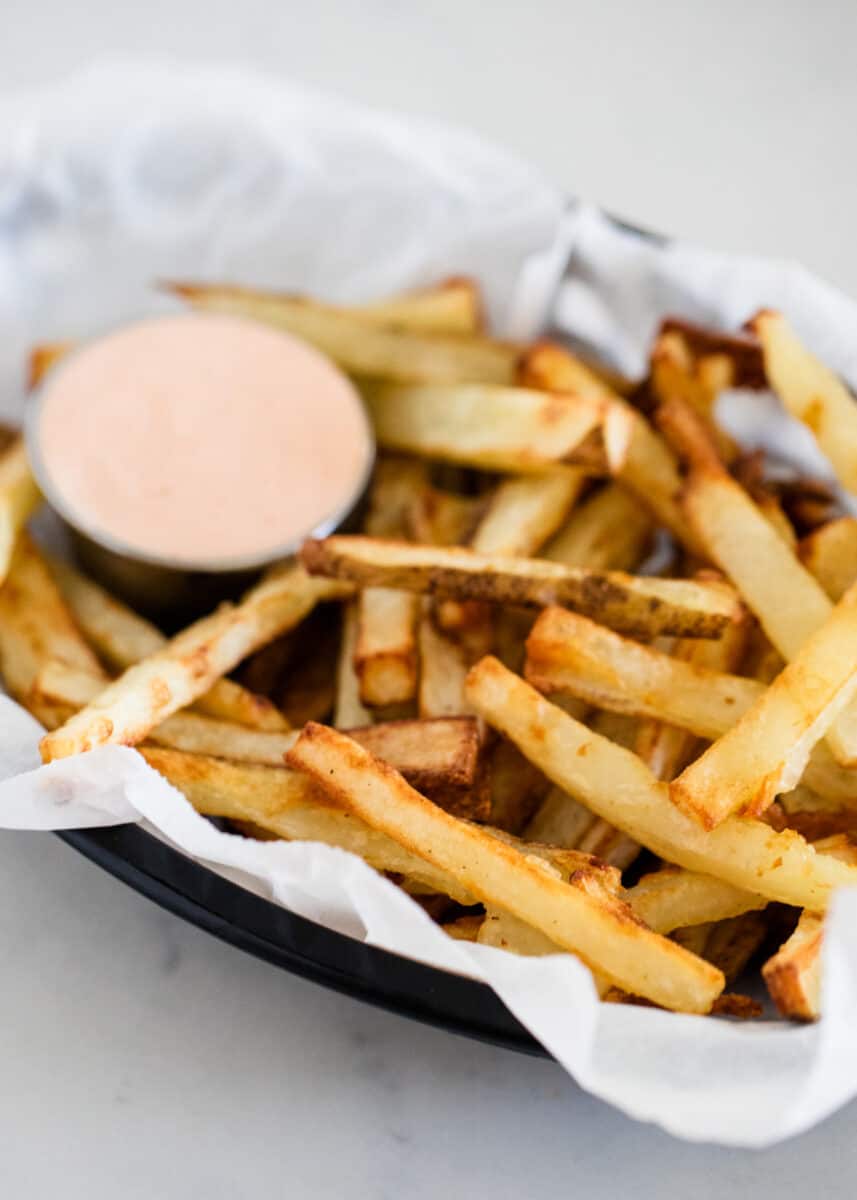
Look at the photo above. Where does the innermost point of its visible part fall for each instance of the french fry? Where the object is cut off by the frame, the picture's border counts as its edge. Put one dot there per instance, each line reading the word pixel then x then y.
pixel 441 518
pixel 793 974
pixel 787 600
pixel 635 452
pixel 349 710
pixel 444 665
pixel 617 786
pixel 645 606
pixel 741 350
pixel 42 358
pixel 672 898
pixel 359 344
pixel 811 392
pixel 524 512
pixel 571 656
pixel 829 553
pixel 675 382
pixel 487 426
pixel 731 944
pixel 187 666
pixel 19 497
pixel 599 928
pixel 609 531
pixel 289 805
pixel 766 752
pixel 517 790
pixel 560 819
pixel 452 306
pixel 122 638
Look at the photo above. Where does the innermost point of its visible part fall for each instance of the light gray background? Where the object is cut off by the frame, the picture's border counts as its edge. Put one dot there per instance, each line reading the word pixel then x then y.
pixel 141 1058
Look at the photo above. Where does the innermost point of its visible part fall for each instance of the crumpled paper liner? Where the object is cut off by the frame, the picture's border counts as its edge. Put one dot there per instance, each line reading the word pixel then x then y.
pixel 138 171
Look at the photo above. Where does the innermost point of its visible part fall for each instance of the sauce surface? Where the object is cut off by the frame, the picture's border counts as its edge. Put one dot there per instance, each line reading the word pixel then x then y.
pixel 201 438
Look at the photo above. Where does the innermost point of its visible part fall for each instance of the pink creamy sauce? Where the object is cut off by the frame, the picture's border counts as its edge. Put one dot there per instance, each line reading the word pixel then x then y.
pixel 202 438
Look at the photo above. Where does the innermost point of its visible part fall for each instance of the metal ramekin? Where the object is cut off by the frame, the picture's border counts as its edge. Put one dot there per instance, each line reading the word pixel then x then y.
pixel 169 590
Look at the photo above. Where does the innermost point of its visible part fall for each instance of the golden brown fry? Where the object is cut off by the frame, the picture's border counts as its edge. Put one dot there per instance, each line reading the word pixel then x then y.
pixel 610 531
pixel 793 974
pixel 187 666
pixel 560 819
pixel 19 497
pixel 766 752
pixel 441 518
pixel 616 785
pixel 444 665
pixel 676 384
pixel 829 553
pixel 452 306
pixel 811 392
pixel 599 928
pixel 360 344
pixel 491 427
pixel 524 512
pixel 122 638
pixel 645 606
pixel 672 898
pixel 349 710
pixel 741 351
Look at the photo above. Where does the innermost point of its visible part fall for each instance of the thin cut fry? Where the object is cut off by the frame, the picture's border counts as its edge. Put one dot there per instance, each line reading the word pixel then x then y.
pixel 788 601
pixel 491 427
pixel 610 531
pixel 599 928
pixel 811 392
pixel 672 898
pixel 646 606
pixel 349 710
pixel 830 554
pixel 766 752
pixel 524 512
pixel 444 665
pixel 793 974
pixel 616 785
pixel 122 638
pixel 188 665
pixel 359 344
pixel 19 498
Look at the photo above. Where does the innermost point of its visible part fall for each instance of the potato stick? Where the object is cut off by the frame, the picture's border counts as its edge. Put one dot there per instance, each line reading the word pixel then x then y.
pixel 291 806
pixel 599 928
pixel 490 427
pixel 189 664
pixel 19 497
pixel 444 665
pixel 37 627
pixel 349 710
pixel 442 518
pixel 524 512
pixel 42 358
pixel 793 974
pixel 607 842
pixel 359 344
pixel 122 638
pixel 452 306
pixel 616 785
pixel 789 603
pixel 645 606
pixel 829 553
pixel 672 898
pixel 741 350
pixel 608 532
pixel 811 392
pixel 766 751
pixel 560 820
pixel 505 932
pixel 569 655
pixel 674 380
pixel 385 652
pixel 635 452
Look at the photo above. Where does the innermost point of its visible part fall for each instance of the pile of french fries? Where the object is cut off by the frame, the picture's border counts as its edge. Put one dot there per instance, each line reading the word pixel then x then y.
pixel 656 773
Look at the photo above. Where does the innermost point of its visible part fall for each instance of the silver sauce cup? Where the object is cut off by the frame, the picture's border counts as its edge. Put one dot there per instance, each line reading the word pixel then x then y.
pixel 172 591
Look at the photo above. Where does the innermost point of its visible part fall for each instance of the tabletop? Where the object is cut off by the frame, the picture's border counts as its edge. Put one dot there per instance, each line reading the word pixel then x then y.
pixel 142 1058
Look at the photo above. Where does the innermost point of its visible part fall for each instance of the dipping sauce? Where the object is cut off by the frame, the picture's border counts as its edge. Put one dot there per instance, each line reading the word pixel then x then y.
pixel 201 439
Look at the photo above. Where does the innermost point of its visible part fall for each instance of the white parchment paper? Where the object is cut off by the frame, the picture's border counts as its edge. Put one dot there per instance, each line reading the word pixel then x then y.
pixel 139 171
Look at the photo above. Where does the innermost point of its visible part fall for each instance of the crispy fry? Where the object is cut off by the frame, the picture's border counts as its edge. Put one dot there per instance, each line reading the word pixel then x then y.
pixel 793 974
pixel 676 384
pixel 385 653
pixel 187 666
pixel 741 350
pixel 452 306
pixel 788 601
pixel 524 512
pixel 766 752
pixel 360 344
pixel 610 531
pixel 122 638
pixel 645 606
pixel 829 553
pixel 598 928
pixel 349 710
pixel 441 518
pixel 672 898
pixel 19 497
pixel 444 667
pixel 491 427
pixel 560 819
pixel 811 392
pixel 615 785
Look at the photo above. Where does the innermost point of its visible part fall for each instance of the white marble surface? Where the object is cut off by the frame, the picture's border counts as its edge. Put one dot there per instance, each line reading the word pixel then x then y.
pixel 142 1058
